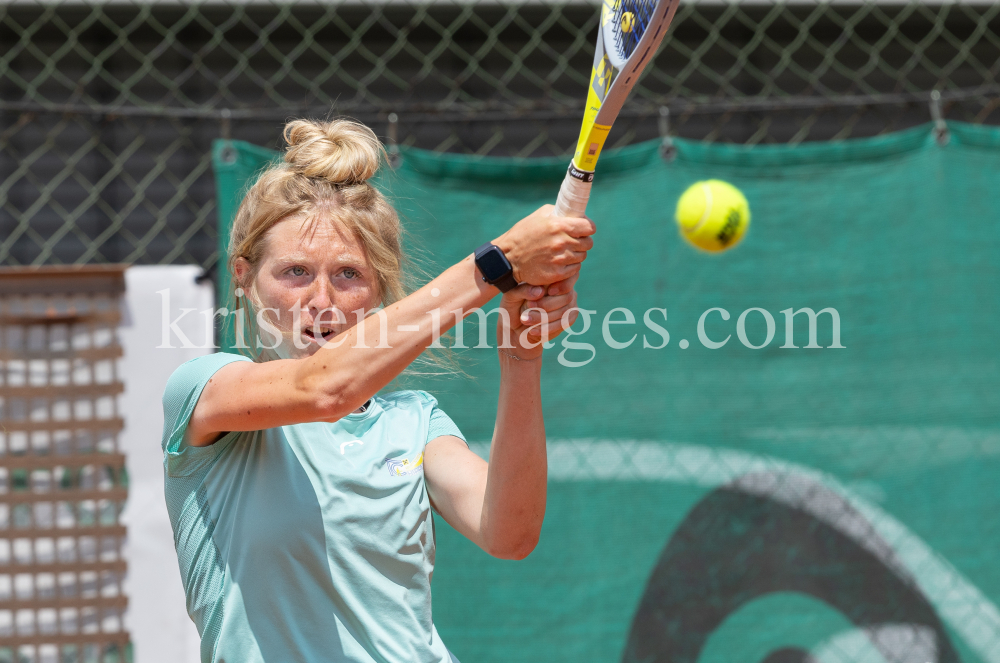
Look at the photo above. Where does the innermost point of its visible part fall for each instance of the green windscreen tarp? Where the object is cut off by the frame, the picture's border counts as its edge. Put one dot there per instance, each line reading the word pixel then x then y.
pixel 757 501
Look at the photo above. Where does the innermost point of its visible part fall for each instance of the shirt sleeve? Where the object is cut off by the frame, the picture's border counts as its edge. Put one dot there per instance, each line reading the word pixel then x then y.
pixel 179 400
pixel 440 423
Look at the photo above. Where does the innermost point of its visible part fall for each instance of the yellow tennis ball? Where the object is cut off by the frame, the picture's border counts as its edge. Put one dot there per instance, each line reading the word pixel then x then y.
pixel 713 215
pixel 628 21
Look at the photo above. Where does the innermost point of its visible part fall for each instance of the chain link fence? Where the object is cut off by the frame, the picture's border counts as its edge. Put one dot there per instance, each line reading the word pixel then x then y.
pixel 107 111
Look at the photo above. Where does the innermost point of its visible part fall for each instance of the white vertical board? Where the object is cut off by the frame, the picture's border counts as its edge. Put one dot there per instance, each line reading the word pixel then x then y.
pixel 160 628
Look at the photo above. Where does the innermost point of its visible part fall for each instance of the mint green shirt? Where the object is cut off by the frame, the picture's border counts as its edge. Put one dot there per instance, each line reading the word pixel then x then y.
pixel 312 542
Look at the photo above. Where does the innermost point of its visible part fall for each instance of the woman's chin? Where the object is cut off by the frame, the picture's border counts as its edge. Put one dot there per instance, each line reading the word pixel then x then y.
pixel 312 346
pixel 307 347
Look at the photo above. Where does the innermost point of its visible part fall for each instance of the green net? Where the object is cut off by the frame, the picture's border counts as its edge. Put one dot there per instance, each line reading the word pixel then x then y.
pixel 758 501
pixel 108 109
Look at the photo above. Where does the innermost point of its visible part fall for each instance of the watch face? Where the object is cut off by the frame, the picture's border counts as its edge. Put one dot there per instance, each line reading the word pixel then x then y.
pixel 493 264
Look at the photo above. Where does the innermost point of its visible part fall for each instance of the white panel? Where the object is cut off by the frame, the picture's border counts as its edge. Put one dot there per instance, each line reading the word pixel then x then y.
pixel 160 628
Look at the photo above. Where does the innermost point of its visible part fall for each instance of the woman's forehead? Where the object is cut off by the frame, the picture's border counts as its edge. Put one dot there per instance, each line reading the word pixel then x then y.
pixel 312 234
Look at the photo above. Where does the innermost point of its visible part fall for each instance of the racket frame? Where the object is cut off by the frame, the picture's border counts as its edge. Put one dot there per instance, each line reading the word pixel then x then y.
pixel 609 86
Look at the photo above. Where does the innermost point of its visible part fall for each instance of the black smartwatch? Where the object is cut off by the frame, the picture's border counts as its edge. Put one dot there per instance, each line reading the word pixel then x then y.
pixel 495 267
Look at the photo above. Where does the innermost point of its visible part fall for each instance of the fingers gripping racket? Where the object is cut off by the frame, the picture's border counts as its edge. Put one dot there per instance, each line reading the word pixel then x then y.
pixel 629 34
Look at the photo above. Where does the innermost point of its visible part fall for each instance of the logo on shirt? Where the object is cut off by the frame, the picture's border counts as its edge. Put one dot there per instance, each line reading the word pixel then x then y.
pixel 400 467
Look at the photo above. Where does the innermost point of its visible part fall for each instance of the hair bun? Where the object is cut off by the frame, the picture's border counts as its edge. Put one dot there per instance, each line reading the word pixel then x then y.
pixel 340 151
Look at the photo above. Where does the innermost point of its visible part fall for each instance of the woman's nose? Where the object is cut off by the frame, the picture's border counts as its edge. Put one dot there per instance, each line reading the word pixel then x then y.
pixel 320 295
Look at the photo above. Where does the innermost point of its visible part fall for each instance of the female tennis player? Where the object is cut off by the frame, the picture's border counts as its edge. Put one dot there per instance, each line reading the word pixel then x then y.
pixel 299 496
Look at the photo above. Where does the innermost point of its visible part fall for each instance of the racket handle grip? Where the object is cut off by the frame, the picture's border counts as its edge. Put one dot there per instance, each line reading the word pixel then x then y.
pixel 573 197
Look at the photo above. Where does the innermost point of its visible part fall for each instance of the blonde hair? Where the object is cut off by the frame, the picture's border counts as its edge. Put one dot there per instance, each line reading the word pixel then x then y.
pixel 324 175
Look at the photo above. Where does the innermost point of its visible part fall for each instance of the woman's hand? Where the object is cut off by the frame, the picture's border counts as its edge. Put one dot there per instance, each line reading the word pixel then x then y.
pixel 535 317
pixel 544 249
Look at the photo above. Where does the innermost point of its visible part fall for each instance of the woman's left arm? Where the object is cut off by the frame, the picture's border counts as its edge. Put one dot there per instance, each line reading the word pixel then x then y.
pixel 500 505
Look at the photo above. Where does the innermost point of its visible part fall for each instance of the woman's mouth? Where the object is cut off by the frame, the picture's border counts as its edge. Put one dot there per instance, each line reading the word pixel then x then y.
pixel 319 333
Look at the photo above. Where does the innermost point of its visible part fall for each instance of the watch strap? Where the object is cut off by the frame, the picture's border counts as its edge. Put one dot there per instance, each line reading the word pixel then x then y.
pixel 506 282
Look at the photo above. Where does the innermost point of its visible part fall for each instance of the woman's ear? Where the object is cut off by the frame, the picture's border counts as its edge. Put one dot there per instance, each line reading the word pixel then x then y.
pixel 241 269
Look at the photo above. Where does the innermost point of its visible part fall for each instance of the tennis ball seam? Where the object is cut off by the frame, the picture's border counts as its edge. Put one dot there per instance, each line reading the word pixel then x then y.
pixel 708 209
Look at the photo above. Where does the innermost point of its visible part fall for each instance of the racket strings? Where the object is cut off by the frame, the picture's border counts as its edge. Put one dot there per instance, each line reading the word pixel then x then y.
pixel 632 17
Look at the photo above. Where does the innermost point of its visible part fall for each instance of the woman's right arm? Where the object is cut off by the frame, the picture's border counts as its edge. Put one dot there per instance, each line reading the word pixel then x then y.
pixel 350 369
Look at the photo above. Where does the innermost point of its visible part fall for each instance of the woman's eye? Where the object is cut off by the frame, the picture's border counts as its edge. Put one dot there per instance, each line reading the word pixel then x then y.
pixel 297 271
pixel 350 273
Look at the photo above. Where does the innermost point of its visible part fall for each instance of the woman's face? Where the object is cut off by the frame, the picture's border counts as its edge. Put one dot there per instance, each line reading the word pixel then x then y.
pixel 318 268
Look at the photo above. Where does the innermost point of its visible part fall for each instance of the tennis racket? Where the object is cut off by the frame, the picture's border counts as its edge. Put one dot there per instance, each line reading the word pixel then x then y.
pixel 629 34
